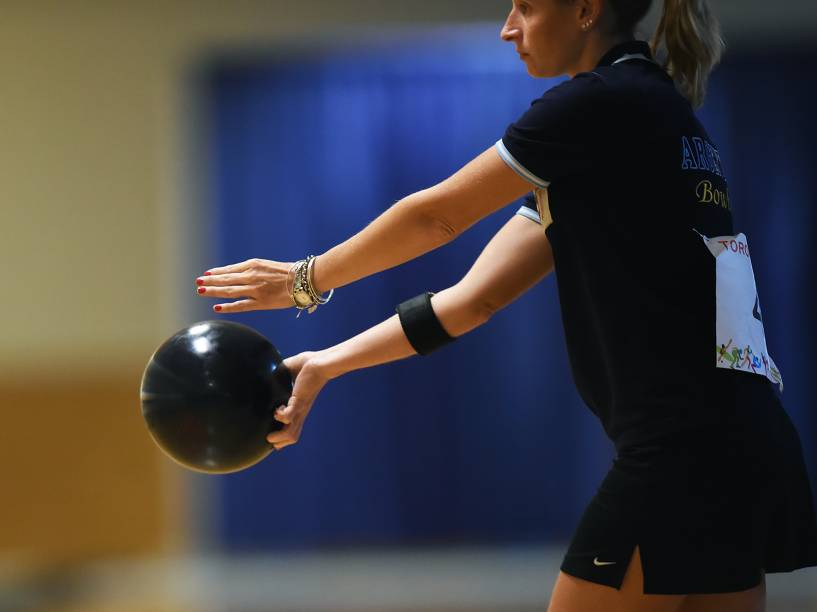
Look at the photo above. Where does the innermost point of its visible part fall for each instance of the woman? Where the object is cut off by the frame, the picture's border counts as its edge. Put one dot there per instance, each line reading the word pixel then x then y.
pixel 708 490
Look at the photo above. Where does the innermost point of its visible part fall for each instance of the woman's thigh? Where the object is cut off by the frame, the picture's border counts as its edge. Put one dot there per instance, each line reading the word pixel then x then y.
pixel 751 600
pixel 573 594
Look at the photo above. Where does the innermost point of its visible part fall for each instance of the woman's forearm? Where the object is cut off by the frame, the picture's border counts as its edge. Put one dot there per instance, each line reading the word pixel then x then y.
pixel 421 222
pixel 382 343
pixel 387 341
pixel 379 247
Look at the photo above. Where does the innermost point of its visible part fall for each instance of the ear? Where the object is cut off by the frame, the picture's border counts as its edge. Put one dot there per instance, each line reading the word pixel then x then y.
pixel 588 11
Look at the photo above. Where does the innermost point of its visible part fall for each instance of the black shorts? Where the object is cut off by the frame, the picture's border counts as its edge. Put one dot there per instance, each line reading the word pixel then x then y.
pixel 710 510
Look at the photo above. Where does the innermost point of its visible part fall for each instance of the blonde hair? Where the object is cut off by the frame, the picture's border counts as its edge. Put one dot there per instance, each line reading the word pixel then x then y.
pixel 688 38
pixel 687 41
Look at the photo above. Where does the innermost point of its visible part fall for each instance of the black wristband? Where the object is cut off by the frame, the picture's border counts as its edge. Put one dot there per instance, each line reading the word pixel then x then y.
pixel 421 325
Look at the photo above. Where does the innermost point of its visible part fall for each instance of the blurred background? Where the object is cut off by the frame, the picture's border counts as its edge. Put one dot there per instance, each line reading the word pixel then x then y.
pixel 144 142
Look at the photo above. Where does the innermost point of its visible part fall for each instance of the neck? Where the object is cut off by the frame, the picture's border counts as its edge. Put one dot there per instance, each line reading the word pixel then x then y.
pixel 594 50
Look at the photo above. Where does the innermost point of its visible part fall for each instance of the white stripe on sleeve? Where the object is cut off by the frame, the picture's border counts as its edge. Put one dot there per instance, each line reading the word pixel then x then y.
pixel 530 214
pixel 519 168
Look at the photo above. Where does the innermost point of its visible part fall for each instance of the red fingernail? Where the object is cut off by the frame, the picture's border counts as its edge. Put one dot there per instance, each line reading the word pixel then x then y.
pixel 202 289
pixel 199 281
pixel 217 308
pixel 207 273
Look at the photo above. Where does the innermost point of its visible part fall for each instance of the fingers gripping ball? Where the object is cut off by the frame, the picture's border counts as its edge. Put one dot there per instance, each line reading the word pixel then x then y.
pixel 209 396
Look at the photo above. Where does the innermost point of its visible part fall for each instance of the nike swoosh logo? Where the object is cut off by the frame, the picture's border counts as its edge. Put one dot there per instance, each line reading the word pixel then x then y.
pixel 598 563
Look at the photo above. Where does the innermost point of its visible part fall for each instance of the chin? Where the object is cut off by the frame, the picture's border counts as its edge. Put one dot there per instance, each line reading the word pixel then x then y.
pixel 540 72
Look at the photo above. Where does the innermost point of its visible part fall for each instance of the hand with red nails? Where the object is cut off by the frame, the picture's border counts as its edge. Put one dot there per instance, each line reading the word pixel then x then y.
pixel 255 284
pixel 310 376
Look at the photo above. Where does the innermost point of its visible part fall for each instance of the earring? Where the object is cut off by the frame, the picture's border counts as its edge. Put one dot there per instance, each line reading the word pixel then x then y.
pixel 587 24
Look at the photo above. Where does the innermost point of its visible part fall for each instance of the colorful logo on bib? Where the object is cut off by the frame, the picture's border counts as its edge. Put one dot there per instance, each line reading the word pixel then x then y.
pixel 747 360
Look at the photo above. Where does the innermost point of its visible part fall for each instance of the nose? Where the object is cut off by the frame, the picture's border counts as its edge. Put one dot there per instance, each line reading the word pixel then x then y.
pixel 510 31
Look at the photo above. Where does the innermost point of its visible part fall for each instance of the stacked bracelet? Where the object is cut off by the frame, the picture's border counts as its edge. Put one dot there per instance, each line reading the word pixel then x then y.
pixel 304 295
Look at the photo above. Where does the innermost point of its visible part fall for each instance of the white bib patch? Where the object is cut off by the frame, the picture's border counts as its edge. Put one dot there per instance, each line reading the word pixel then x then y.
pixel 739 334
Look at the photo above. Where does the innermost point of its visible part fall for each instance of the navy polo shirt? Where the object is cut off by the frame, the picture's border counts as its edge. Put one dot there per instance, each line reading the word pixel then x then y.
pixel 624 178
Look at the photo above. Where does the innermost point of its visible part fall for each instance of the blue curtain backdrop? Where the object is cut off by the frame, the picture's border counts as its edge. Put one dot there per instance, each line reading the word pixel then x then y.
pixel 485 441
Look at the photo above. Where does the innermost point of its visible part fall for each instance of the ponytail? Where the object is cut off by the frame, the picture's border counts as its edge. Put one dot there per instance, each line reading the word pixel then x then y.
pixel 688 38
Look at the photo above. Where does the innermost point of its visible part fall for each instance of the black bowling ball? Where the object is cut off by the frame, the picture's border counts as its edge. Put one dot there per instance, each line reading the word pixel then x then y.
pixel 209 396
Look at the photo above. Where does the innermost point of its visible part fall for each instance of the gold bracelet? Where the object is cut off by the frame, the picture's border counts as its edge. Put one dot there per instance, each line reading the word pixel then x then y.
pixel 291 292
pixel 299 284
pixel 303 283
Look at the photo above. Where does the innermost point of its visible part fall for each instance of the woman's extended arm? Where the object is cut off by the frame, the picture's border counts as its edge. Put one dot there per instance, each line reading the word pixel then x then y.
pixel 413 226
pixel 516 258
pixel 436 216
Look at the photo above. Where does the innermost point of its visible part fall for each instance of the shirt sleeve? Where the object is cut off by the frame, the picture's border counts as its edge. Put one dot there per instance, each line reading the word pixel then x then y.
pixel 528 208
pixel 561 133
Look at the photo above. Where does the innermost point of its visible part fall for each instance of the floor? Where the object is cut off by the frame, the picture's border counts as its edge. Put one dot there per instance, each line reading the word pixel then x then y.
pixel 462 580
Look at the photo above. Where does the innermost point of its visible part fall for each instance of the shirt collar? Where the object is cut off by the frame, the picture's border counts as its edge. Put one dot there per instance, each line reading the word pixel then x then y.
pixel 625 48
